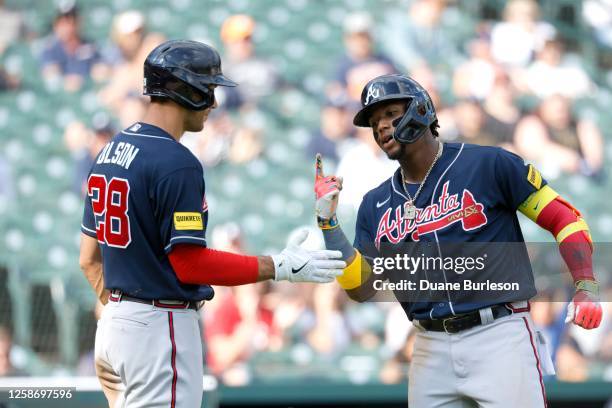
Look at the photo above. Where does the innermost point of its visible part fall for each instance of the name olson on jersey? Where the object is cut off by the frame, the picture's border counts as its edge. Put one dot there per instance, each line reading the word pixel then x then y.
pixel 122 154
pixel 446 211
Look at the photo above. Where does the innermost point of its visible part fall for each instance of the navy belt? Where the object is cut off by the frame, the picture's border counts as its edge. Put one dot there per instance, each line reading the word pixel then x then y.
pixel 118 296
pixel 455 324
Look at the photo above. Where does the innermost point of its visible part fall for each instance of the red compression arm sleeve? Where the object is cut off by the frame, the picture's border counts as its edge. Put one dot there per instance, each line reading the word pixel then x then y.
pixel 576 248
pixel 203 266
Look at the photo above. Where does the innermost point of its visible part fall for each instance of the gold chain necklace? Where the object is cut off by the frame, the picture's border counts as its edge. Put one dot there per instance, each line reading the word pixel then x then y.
pixel 410 209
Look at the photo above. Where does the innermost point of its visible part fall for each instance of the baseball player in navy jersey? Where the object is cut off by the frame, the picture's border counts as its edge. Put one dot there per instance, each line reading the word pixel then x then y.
pixel 143 245
pixel 468 352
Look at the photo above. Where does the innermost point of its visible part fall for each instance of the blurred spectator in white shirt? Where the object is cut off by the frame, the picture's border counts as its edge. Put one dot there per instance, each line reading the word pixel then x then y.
pixel 363 167
pixel 474 78
pixel 12 26
pixel 598 14
pixel 515 40
pixel 553 73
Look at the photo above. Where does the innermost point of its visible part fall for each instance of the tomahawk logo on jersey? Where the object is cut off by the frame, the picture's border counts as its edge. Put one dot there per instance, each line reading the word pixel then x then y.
pixel 123 209
pixel 472 196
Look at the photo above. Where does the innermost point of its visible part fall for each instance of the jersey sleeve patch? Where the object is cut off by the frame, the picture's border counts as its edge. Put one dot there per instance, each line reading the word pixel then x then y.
pixel 534 177
pixel 188 221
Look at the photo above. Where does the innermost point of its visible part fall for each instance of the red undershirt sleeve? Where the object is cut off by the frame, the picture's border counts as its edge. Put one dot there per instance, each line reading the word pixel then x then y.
pixel 198 265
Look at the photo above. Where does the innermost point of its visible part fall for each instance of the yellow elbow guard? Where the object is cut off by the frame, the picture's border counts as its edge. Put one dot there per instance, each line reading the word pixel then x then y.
pixel 355 274
pixel 535 203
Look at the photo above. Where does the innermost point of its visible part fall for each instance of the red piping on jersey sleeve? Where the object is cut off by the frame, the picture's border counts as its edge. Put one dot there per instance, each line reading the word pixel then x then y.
pixel 577 248
pixel 198 265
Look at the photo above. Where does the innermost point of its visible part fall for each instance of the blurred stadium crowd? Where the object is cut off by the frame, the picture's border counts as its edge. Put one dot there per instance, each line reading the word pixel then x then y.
pixel 532 78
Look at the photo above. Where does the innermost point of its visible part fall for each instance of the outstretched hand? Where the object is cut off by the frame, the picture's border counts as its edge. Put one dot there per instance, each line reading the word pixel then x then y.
pixel 297 264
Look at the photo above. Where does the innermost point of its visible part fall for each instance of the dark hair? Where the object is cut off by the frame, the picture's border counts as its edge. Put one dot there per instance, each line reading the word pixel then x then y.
pixel 434 128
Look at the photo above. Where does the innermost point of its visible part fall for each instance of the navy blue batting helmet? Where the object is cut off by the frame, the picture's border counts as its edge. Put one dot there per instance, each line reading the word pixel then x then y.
pixel 420 113
pixel 183 71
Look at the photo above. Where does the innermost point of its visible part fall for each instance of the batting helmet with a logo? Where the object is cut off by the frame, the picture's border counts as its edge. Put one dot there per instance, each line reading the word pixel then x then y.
pixel 420 113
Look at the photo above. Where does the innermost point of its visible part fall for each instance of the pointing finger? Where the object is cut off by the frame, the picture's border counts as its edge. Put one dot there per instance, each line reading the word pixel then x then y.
pixel 318 167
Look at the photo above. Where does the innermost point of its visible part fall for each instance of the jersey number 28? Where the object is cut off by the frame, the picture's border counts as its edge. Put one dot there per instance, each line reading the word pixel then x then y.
pixel 109 201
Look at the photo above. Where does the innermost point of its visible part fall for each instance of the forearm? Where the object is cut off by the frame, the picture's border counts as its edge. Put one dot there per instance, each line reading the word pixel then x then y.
pixel 336 240
pixel 265 268
pixel 570 230
pixel 356 280
pixel 94 275
pixel 90 261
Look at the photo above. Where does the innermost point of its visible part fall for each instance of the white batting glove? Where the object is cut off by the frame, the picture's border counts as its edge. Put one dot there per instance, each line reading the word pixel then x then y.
pixel 297 264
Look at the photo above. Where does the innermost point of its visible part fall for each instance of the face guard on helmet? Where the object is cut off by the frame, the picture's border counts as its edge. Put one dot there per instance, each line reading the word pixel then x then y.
pixel 420 113
pixel 184 71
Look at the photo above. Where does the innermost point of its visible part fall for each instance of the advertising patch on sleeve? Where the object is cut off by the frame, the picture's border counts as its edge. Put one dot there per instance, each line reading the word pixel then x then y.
pixel 188 221
pixel 534 177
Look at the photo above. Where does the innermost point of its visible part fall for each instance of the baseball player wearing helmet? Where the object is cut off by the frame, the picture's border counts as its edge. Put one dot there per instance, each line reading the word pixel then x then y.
pixel 143 245
pixel 458 193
